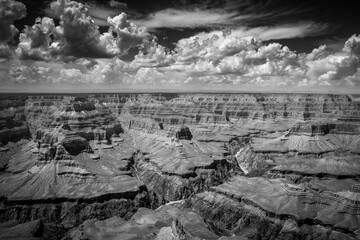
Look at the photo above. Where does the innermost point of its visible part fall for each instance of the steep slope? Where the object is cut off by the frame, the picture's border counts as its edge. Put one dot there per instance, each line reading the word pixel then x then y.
pixel 249 166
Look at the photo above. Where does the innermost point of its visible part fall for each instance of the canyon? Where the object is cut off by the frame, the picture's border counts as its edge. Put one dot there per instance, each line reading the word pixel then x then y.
pixel 180 166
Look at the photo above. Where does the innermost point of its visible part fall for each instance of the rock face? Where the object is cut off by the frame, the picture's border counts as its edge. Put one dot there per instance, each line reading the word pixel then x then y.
pixel 180 166
pixel 167 222
pixel 184 133
pixel 74 144
pixel 30 230
pixel 13 125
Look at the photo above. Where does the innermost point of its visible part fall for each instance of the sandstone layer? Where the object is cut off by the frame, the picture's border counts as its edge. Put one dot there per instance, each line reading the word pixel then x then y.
pixel 232 166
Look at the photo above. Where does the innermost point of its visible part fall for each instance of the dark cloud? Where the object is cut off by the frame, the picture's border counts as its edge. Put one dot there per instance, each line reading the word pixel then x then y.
pixel 10 11
pixel 77 35
pixel 4 51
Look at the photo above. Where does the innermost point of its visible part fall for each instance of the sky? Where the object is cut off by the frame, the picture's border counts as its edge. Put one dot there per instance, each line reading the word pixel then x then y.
pixel 180 45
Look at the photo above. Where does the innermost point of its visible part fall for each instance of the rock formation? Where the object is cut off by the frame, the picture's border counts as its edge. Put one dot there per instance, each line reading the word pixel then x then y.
pixel 180 166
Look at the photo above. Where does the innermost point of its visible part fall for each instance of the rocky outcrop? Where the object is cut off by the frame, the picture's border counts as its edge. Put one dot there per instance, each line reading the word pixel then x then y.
pixel 249 166
pixel 13 125
pixel 30 230
pixel 65 189
pixel 70 214
pixel 74 144
pixel 324 128
pixel 184 133
pixel 175 169
pixel 167 222
pixel 338 165
pixel 229 215
pixel 296 201
pixel 78 115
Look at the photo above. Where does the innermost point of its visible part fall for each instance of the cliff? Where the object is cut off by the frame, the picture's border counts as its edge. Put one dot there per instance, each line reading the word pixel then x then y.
pixel 248 166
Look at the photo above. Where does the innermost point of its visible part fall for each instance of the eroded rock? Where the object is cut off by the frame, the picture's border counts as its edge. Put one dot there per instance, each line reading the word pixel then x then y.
pixel 251 166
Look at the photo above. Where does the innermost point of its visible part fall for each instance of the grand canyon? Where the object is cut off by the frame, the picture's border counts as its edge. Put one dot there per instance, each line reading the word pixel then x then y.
pixel 180 166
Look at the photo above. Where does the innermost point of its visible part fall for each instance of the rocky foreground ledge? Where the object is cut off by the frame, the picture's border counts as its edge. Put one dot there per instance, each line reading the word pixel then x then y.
pixel 180 166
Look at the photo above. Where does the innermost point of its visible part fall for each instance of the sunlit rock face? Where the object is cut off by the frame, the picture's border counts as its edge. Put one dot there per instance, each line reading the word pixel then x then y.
pixel 232 166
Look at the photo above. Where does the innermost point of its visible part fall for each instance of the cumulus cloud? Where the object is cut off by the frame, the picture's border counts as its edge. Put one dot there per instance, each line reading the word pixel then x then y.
pixel 98 12
pixel 80 71
pixel 83 55
pixel 225 60
pixel 128 35
pixel 213 48
pixel 10 11
pixel 78 35
pixel 336 67
pixel 4 51
pixel 226 53
pixel 318 53
pixel 230 54
pixel 153 55
pixel 35 41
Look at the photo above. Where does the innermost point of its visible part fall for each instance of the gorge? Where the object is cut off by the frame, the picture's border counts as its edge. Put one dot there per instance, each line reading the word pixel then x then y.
pixel 180 166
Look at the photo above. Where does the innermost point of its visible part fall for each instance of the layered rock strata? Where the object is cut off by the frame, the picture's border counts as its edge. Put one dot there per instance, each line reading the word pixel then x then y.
pixel 249 166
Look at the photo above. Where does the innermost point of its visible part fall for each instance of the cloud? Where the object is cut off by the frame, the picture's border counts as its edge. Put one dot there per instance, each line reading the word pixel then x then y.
pixel 226 60
pixel 318 53
pixel 10 11
pixel 35 41
pixel 4 51
pixel 179 18
pixel 80 71
pixel 336 67
pixel 76 53
pixel 213 48
pixel 352 46
pixel 267 60
pixel 128 35
pixel 153 55
pixel 78 35
pixel 117 4
pixel 98 12
pixel 230 54
pixel 265 33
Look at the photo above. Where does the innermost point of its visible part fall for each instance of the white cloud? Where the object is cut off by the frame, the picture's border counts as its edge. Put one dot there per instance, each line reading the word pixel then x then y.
pixel 318 53
pixel 336 67
pixel 228 54
pixel 35 41
pixel 178 18
pixel 153 55
pixel 75 56
pixel 264 33
pixel 10 11
pixel 128 35
pixel 78 35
